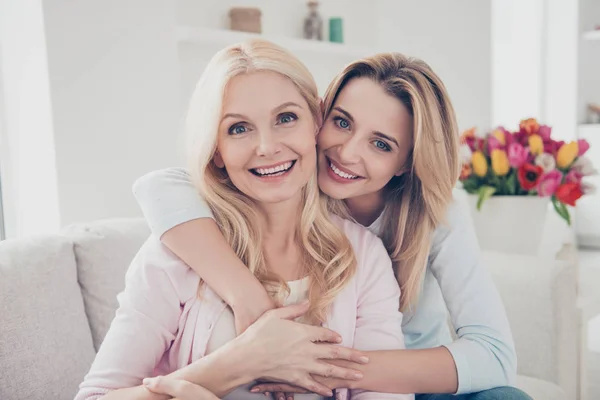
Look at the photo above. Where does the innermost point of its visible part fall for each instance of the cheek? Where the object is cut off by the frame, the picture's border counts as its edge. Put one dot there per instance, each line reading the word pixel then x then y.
pixel 328 136
pixel 234 155
pixel 380 169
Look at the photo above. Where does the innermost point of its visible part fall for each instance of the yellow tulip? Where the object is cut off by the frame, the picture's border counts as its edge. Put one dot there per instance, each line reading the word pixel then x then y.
pixel 536 145
pixel 500 164
pixel 479 163
pixel 498 134
pixel 567 154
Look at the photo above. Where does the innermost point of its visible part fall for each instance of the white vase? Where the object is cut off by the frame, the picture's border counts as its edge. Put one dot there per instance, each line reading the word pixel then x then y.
pixel 510 224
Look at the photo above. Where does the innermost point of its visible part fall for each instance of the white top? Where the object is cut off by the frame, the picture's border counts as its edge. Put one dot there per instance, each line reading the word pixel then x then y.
pixel 224 331
pixel 455 281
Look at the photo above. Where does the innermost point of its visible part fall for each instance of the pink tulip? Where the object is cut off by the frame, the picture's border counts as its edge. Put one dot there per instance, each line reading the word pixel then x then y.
pixel 573 176
pixel 584 146
pixel 517 155
pixel 549 183
pixel 494 144
pixel 545 132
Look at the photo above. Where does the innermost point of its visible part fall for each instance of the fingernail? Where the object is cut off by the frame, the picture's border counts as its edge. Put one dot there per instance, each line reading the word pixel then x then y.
pixel 358 375
pixel 147 381
pixel 290 398
pixel 329 394
pixel 281 397
pixel 339 339
pixel 255 389
pixel 267 394
pixel 364 359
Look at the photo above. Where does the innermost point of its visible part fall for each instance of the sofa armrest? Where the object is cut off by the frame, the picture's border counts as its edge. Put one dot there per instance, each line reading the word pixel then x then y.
pixel 540 297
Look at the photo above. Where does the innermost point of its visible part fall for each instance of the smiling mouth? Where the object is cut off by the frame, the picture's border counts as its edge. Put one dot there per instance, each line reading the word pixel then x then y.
pixel 277 170
pixel 342 174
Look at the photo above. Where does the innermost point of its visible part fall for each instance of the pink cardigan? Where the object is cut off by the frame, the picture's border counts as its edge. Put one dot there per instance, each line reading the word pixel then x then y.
pixel 161 325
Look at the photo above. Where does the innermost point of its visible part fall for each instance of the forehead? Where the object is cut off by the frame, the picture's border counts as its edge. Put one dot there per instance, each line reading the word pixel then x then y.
pixel 372 107
pixel 258 91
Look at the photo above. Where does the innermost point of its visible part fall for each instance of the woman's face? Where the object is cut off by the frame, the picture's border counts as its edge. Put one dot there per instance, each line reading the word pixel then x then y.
pixel 266 139
pixel 365 141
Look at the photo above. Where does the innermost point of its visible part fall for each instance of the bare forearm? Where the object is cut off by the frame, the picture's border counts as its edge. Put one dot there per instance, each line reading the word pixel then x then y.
pixel 134 393
pixel 221 371
pixel 202 246
pixel 410 371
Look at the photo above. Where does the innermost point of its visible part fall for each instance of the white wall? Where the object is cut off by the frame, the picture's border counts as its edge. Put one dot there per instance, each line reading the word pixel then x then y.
pixel 517 74
pixel 589 58
pixel 27 143
pixel 113 74
pixel 453 37
pixel 560 52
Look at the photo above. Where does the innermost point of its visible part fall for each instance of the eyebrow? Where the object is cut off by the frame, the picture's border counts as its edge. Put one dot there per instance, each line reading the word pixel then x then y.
pixel 384 136
pixel 275 111
pixel 376 133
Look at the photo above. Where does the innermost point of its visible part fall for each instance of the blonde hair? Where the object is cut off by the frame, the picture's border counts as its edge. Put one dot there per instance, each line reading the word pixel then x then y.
pixel 417 201
pixel 327 254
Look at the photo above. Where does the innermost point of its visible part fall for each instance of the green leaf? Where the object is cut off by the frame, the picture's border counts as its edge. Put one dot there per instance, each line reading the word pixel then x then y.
pixel 485 192
pixel 471 185
pixel 512 183
pixel 562 210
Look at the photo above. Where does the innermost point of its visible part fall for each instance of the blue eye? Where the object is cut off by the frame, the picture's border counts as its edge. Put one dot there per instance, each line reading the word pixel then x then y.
pixel 287 118
pixel 342 122
pixel 381 145
pixel 238 129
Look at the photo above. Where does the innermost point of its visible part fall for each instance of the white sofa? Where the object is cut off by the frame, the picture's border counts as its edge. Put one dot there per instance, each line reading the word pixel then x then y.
pixel 58 297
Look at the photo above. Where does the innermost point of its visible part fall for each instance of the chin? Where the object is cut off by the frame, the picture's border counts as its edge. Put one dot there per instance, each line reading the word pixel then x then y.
pixel 329 188
pixel 274 198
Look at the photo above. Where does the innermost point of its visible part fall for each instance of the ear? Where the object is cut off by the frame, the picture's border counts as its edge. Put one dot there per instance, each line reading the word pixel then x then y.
pixel 218 160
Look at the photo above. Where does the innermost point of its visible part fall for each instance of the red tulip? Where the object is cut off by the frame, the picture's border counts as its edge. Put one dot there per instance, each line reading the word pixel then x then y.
pixel 529 176
pixel 569 193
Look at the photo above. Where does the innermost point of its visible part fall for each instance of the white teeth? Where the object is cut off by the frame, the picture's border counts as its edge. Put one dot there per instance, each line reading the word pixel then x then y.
pixel 341 173
pixel 275 170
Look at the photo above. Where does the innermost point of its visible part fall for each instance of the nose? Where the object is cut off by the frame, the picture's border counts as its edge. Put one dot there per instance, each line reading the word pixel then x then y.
pixel 349 152
pixel 268 144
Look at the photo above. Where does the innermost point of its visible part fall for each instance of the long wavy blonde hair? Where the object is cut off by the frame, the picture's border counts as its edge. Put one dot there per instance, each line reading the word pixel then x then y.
pixel 327 255
pixel 417 201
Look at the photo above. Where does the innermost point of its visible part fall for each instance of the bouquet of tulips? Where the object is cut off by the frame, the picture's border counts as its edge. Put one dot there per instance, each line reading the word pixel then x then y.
pixel 527 162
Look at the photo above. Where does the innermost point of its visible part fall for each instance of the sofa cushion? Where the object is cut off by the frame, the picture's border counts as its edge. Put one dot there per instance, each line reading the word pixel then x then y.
pixel 45 342
pixel 540 297
pixel 103 251
pixel 539 389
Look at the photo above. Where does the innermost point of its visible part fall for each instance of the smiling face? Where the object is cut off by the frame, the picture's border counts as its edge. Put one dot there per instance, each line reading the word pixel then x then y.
pixel 266 139
pixel 365 141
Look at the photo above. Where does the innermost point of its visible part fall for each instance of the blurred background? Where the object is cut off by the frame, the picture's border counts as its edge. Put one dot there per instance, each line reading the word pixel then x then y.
pixel 93 94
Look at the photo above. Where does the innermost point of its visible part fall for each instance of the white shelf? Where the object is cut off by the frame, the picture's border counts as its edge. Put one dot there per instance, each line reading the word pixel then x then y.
pixel 592 35
pixel 224 37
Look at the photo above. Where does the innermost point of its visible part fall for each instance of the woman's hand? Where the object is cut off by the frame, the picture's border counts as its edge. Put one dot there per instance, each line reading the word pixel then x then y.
pixel 288 390
pixel 281 350
pixel 178 389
